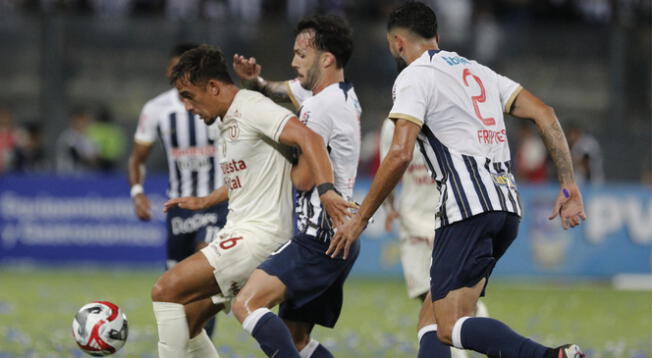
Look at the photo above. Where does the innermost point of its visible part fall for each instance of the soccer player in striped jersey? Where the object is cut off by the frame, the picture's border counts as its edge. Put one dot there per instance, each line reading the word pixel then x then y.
pixel 193 165
pixel 300 275
pixel 453 108
pixel 254 147
pixel 416 227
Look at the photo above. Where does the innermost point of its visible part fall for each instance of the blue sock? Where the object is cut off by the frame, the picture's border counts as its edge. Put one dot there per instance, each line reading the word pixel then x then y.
pixel 494 338
pixel 210 326
pixel 314 349
pixel 430 345
pixel 271 333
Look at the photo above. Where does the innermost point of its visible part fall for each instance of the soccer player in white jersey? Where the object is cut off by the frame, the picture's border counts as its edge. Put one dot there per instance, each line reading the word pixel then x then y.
pixel 416 227
pixel 193 165
pixel 255 135
pixel 454 108
pixel 308 282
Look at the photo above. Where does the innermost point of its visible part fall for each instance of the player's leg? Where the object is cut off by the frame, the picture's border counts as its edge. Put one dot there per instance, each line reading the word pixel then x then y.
pixel 487 236
pixel 197 314
pixel 251 308
pixel 190 280
pixel 315 293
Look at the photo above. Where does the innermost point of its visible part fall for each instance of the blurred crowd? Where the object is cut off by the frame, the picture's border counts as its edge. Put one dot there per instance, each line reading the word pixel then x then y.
pixel 597 11
pixel 92 142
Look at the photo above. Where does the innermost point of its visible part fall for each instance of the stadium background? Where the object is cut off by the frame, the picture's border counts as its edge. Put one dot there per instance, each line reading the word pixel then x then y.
pixel 66 239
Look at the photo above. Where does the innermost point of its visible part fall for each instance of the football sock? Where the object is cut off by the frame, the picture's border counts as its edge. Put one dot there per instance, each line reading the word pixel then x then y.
pixel 173 332
pixel 429 344
pixel 271 333
pixel 494 338
pixel 201 346
pixel 315 350
pixel 210 326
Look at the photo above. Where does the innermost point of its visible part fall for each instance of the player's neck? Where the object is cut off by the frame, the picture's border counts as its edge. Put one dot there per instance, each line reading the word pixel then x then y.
pixel 417 49
pixel 229 92
pixel 328 78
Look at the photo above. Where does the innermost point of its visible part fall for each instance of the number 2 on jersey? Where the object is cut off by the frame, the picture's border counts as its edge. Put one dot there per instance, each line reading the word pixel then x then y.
pixel 477 99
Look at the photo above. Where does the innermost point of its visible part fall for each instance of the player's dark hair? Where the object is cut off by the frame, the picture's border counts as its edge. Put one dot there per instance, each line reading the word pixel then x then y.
pixel 416 17
pixel 201 64
pixel 332 34
pixel 180 48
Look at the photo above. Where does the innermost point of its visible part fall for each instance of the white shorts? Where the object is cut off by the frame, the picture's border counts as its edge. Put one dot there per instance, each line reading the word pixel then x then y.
pixel 234 255
pixel 416 256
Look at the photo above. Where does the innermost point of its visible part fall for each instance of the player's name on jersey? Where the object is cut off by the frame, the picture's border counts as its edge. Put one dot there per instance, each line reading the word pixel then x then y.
pixel 486 136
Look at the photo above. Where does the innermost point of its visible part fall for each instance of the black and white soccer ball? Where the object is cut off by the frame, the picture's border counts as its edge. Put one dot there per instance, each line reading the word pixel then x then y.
pixel 100 328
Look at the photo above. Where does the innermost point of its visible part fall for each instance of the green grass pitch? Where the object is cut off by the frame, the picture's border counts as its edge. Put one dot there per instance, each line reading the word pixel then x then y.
pixel 37 307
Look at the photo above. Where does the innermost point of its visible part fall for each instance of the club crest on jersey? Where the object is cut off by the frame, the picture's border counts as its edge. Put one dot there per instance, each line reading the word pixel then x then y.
pixel 233 131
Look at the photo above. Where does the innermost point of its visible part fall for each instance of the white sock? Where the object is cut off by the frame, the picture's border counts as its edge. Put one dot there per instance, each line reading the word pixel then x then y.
pixel 173 335
pixel 481 309
pixel 424 330
pixel 457 332
pixel 252 319
pixel 309 349
pixel 201 346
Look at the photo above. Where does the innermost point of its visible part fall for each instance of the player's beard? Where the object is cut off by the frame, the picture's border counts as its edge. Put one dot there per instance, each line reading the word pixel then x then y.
pixel 312 76
pixel 209 121
pixel 400 64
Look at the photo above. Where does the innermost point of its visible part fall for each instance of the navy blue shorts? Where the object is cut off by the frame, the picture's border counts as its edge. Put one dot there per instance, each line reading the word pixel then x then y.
pixel 187 228
pixel 314 281
pixel 467 251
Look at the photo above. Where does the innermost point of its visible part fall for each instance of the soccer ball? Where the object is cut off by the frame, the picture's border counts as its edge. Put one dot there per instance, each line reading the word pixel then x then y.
pixel 100 328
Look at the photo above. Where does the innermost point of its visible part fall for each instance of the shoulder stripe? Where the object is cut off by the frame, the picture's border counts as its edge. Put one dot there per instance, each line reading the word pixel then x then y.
pixel 407 117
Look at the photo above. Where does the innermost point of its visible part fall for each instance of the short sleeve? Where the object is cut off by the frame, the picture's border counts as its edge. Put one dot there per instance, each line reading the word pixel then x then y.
pixel 147 125
pixel 264 116
pixel 386 136
pixel 411 93
pixel 297 93
pixel 508 92
pixel 317 119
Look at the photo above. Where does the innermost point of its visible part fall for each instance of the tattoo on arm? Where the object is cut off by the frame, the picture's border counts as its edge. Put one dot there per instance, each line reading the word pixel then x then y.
pixel 555 140
pixel 276 90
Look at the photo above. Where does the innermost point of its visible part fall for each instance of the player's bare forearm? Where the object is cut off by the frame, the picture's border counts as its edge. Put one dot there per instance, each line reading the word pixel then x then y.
pixel 302 178
pixel 136 163
pixel 217 196
pixel 530 107
pixel 276 90
pixel 392 167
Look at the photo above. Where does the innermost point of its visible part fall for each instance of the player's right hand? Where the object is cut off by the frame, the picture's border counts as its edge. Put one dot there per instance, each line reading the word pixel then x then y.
pixel 142 207
pixel 246 68
pixel 186 202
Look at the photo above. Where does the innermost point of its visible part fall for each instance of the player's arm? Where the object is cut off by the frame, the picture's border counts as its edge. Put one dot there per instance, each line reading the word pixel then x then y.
pixel 217 196
pixel 136 169
pixel 389 173
pixel 249 72
pixel 569 205
pixel 386 134
pixel 302 178
pixel 312 148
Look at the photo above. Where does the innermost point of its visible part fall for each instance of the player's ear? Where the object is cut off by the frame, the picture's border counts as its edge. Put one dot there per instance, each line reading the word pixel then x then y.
pixel 213 87
pixel 327 59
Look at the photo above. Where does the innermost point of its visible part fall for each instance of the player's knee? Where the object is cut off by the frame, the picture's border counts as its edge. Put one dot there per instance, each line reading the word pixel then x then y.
pixel 239 308
pixel 444 333
pixel 163 290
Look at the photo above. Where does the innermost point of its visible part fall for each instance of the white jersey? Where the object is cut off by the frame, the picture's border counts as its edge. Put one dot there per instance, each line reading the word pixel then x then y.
pixel 333 113
pixel 459 104
pixel 256 166
pixel 189 144
pixel 419 195
pixel 297 93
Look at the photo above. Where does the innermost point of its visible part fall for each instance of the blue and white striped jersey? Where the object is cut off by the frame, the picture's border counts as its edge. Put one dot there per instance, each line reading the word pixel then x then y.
pixel 190 145
pixel 459 105
pixel 333 113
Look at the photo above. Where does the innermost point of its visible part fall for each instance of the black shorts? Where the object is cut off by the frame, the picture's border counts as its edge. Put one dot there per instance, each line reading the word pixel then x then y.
pixel 187 228
pixel 314 281
pixel 467 251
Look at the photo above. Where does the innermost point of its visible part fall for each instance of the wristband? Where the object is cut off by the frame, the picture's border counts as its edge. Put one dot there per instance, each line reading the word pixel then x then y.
pixel 323 188
pixel 136 189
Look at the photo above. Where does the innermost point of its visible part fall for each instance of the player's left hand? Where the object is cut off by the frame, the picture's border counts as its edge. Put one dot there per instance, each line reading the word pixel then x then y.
pixel 345 236
pixel 186 202
pixel 569 206
pixel 337 207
